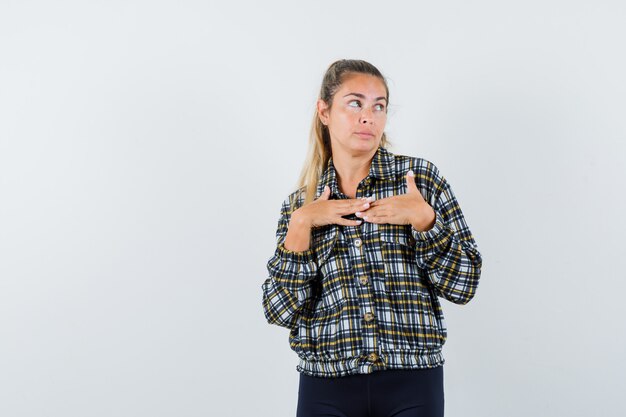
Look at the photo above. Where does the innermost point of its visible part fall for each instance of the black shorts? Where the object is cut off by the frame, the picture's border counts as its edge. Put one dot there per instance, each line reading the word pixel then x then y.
pixel 382 393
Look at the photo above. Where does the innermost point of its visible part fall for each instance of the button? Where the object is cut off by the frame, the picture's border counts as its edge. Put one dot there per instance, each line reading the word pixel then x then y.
pixel 363 280
pixel 372 357
pixel 357 242
pixel 368 316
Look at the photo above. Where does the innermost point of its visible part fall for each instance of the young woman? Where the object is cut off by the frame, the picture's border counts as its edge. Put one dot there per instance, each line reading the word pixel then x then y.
pixel 366 246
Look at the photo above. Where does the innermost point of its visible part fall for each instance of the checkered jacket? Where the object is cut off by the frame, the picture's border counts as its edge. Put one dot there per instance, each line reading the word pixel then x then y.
pixel 366 297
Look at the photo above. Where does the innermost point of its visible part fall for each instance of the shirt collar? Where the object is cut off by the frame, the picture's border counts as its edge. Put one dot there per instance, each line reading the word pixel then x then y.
pixel 382 167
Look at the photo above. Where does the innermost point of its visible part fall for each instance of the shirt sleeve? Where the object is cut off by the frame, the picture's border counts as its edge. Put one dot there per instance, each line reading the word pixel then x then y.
pixel 448 251
pixel 289 285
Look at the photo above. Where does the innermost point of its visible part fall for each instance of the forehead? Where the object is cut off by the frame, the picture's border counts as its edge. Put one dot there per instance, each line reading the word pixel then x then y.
pixel 369 85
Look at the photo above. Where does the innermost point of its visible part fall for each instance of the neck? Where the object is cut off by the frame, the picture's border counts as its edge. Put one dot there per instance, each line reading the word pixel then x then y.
pixel 351 169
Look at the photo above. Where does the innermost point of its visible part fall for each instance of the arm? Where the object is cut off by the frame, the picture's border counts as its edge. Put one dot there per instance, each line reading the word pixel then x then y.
pixel 448 252
pixel 288 286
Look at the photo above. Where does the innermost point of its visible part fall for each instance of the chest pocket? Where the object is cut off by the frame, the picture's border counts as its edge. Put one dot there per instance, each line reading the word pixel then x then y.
pixel 402 274
pixel 330 292
pixel 396 233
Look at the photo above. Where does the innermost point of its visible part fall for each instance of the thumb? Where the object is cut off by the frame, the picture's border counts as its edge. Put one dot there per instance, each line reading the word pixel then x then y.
pixel 325 194
pixel 410 183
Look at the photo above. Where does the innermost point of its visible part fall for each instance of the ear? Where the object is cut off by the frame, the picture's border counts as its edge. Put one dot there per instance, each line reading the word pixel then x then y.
pixel 322 110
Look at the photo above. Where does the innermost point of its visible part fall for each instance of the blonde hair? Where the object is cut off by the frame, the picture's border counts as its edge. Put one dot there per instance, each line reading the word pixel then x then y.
pixel 319 150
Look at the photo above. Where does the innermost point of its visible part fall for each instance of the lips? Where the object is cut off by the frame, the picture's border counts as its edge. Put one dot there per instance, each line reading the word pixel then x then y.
pixel 364 133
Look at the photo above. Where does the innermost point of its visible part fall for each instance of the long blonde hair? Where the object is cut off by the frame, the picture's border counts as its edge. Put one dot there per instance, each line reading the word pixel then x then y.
pixel 319 150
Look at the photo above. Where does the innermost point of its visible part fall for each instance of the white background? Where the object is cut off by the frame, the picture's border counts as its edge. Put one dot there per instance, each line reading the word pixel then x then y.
pixel 146 147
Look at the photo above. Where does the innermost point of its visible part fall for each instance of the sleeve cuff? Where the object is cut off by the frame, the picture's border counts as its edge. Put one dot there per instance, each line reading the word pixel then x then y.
pixel 302 257
pixel 432 233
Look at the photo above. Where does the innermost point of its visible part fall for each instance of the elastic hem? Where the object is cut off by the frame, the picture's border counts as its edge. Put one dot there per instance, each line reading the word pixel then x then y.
pixel 305 256
pixel 430 234
pixel 328 368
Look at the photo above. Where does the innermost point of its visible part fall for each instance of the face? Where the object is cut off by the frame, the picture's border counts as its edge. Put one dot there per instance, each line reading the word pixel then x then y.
pixel 356 120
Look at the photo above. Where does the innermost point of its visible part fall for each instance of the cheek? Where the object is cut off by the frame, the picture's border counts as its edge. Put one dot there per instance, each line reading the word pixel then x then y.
pixel 348 118
pixel 343 122
pixel 381 122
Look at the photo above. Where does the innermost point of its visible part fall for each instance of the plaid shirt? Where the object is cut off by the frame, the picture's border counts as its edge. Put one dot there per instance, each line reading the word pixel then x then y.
pixel 364 298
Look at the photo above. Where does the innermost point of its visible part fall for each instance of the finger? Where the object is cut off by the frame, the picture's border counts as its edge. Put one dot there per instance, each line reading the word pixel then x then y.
pixel 346 222
pixel 350 206
pixel 362 213
pixel 374 218
pixel 367 201
pixel 374 212
pixel 366 217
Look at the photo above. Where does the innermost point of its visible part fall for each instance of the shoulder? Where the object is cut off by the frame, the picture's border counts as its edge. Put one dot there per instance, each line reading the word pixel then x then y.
pixel 426 171
pixel 294 200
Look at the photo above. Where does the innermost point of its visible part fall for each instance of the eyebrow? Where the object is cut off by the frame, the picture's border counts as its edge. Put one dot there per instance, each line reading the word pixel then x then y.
pixel 362 96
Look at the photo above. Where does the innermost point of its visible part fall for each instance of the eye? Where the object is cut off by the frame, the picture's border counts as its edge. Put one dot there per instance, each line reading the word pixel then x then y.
pixel 382 106
pixel 353 101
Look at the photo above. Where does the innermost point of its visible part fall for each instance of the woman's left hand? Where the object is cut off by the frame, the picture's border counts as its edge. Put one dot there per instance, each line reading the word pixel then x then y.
pixel 409 208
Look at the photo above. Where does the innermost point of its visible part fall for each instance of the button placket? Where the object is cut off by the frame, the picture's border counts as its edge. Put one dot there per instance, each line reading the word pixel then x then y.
pixel 366 319
pixel 365 296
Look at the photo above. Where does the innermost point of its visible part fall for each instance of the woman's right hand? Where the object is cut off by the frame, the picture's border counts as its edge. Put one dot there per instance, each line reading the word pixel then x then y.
pixel 323 211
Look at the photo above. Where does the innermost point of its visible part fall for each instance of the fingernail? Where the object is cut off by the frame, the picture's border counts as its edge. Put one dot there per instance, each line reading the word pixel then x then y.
pixel 358 213
pixel 366 205
pixel 411 173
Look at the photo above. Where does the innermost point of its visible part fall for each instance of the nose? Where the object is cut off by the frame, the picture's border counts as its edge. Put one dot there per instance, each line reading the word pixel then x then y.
pixel 366 116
